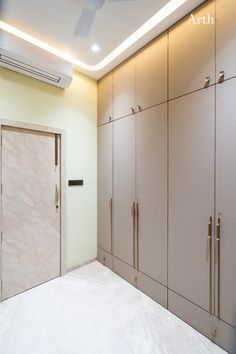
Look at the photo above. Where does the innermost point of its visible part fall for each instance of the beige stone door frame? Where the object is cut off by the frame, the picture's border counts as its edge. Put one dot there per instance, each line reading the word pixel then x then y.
pixel 62 134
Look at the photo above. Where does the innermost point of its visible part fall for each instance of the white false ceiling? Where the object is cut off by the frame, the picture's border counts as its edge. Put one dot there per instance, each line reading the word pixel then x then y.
pixel 53 21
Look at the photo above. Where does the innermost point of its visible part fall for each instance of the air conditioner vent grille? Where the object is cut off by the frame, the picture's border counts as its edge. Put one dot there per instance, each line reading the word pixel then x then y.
pixel 10 62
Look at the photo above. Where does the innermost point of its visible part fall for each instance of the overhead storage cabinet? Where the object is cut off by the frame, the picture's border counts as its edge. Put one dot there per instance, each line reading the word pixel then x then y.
pixel 192 52
pixel 105 99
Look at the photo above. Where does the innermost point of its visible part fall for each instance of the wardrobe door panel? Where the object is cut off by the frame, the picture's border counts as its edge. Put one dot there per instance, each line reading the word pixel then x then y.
pixel 225 38
pixel 105 99
pixel 105 187
pixel 192 52
pixel 191 194
pixel 124 189
pixel 226 200
pixel 124 89
pixel 152 192
pixel 151 73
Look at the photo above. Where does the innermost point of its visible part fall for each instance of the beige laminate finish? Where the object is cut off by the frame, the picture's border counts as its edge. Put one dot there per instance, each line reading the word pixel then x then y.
pixel 105 99
pixel 30 218
pixel 191 194
pixel 105 258
pixel 216 330
pixel 125 271
pixel 225 38
pixel 151 73
pixel 105 186
pixel 192 314
pixel 124 89
pixel 124 189
pixel 226 199
pixel 151 159
pixel 192 52
pixel 152 288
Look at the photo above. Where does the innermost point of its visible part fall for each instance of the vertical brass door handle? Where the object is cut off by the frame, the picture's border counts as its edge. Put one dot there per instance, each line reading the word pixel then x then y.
pixel 210 261
pixel 56 150
pixel 111 222
pixel 133 213
pixel 218 230
pixel 57 196
pixel 137 213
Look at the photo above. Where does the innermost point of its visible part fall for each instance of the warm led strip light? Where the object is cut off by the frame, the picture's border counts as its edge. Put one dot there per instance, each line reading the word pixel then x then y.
pixel 161 15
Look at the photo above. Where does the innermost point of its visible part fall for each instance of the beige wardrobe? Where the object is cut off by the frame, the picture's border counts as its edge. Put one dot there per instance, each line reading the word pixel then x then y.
pixel 167 171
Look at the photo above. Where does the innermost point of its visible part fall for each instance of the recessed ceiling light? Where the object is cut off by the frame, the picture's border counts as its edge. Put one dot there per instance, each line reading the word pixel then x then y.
pixel 95 48
pixel 156 19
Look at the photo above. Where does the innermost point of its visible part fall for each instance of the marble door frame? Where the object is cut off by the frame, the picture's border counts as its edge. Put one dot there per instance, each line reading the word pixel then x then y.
pixel 45 129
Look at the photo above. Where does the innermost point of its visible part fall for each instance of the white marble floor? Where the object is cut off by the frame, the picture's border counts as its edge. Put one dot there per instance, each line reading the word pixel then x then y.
pixel 91 311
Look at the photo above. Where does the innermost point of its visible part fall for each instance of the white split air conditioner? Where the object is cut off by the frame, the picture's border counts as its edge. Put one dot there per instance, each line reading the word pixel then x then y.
pixel 18 55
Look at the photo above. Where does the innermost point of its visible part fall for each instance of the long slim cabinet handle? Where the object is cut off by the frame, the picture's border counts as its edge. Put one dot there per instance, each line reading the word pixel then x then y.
pixel 218 265
pixel 57 196
pixel 137 241
pixel 210 262
pixel 111 222
pixel 133 214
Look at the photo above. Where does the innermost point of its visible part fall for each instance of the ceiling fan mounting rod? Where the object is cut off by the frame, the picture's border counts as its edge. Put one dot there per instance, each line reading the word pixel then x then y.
pixel 94 5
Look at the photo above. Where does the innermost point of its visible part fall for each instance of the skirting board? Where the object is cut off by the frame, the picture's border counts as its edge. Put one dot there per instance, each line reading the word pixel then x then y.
pixel 69 269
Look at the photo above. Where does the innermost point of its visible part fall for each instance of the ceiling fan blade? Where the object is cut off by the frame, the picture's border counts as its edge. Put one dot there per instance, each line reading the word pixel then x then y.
pixel 83 27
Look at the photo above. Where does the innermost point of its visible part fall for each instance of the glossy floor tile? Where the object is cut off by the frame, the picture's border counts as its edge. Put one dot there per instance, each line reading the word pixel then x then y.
pixel 91 311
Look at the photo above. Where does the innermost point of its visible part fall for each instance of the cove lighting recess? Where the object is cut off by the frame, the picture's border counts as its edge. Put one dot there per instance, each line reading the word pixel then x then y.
pixel 156 19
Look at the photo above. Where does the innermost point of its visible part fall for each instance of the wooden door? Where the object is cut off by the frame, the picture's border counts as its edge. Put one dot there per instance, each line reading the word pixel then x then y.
pixel 191 194
pixel 105 187
pixel 30 210
pixel 152 192
pixel 151 74
pixel 105 99
pixel 226 200
pixel 192 51
pixel 225 38
pixel 124 89
pixel 124 189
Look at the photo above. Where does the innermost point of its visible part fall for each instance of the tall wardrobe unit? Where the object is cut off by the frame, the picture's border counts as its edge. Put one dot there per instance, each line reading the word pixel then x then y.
pixel 167 171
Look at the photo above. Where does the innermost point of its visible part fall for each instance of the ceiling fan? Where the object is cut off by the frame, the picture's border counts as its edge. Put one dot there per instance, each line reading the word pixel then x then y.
pixel 85 22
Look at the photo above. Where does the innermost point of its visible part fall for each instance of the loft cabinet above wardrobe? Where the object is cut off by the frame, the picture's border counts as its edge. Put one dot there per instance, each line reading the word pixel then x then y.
pixel 192 52
pixel 137 84
pixel 151 74
pixel 176 63
pixel 105 99
pixel 124 89
pixel 141 82
pixel 225 41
